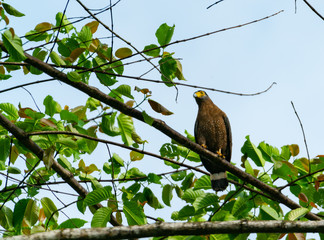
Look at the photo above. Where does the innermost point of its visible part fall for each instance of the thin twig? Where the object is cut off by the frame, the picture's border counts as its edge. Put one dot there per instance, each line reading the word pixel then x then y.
pixel 300 178
pixel 304 136
pixel 58 31
pixel 313 9
pixel 215 3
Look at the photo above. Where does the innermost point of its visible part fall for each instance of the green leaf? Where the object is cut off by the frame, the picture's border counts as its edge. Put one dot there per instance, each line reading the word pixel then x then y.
pixel 98 195
pixel 72 223
pixel 108 125
pixel 152 53
pixel 85 36
pixel 136 156
pixel 31 213
pixel 253 152
pixel 48 157
pixel 74 76
pixel 126 127
pixel 284 170
pixel 62 21
pixel 50 209
pixel 186 211
pixel 105 79
pixel 135 172
pixel 14 170
pixel 149 120
pixel 4 148
pixel 51 106
pixel 6 217
pixel 123 52
pixel 268 213
pixel 68 116
pixel 101 217
pixel 164 34
pixel 82 207
pixel 124 90
pixel 11 10
pixel 14 46
pixel 187 182
pixel 134 213
pixel 241 207
pixel 151 198
pixel 178 176
pixel 191 195
pixel 68 142
pixel 167 194
pixel 153 178
pixel 296 214
pixel 203 183
pixel 56 59
pixel 36 36
pixel 205 200
pixel 10 110
pixel 18 214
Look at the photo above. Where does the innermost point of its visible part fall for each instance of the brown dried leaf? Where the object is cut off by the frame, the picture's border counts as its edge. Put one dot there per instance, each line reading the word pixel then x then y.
pixel 317 185
pixel 47 122
pixel 302 197
pixel 313 205
pixel 157 107
pixel 22 114
pixel 75 54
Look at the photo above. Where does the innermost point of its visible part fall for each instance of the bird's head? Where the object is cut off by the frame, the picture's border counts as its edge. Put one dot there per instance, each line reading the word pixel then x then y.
pixel 200 96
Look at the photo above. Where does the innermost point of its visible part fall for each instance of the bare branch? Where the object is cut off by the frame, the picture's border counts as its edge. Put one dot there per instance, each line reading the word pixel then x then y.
pixel 304 136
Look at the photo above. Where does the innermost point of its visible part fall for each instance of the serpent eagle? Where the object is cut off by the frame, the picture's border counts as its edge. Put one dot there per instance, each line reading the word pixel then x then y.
pixel 213 132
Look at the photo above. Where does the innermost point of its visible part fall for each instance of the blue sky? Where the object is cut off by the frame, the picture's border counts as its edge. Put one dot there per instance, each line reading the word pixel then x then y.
pixel 286 49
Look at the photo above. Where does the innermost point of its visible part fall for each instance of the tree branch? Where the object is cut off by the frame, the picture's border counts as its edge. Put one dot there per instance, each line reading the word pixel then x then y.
pixel 174 229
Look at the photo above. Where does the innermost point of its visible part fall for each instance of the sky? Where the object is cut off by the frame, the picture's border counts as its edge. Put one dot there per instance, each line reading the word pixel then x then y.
pixel 286 49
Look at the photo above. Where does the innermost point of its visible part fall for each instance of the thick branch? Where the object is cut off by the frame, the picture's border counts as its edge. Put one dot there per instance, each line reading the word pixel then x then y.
pixel 39 152
pixel 167 130
pixel 174 229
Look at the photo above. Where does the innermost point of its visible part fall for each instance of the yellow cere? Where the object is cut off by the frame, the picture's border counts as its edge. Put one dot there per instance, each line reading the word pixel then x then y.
pixel 200 94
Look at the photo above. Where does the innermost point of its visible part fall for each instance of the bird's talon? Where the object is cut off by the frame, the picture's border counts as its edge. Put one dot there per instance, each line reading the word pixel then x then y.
pixel 204 146
pixel 219 153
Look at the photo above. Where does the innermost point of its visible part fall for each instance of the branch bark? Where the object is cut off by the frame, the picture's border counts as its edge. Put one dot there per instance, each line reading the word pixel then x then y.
pixel 167 130
pixel 174 229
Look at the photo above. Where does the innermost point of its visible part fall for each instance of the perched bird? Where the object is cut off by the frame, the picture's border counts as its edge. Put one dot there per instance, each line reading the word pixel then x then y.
pixel 213 132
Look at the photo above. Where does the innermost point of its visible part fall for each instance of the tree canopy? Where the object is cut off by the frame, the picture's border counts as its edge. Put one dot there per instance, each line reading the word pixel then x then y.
pixel 52 144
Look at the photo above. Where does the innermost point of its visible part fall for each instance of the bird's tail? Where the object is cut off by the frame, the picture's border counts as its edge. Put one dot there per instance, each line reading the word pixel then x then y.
pixel 219 181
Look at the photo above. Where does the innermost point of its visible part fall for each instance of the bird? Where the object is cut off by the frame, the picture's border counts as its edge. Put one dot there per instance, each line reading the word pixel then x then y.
pixel 213 132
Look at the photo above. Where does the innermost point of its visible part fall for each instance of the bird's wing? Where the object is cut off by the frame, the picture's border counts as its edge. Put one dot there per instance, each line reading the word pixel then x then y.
pixel 228 153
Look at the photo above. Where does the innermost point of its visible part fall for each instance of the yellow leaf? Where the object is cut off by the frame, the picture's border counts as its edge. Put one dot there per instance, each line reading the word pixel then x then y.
pixel 136 156
pixel 93 26
pixel 44 26
pixel 294 149
pixel 94 45
pixel 123 52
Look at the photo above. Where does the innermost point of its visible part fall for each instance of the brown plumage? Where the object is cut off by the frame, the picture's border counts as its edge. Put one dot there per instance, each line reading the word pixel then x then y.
pixel 213 131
